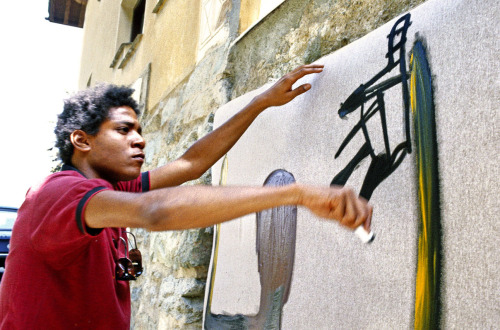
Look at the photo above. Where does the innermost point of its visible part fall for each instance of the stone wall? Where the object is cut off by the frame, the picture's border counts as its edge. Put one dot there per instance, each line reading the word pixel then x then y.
pixel 170 293
pixel 300 32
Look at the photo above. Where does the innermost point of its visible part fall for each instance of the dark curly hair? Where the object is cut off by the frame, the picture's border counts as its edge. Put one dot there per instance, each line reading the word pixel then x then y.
pixel 86 110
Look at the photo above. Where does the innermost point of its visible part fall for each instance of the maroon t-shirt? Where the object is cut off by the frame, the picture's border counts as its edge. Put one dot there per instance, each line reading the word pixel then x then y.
pixel 60 274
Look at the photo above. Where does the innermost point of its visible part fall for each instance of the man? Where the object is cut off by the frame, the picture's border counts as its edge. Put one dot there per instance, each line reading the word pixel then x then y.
pixel 65 269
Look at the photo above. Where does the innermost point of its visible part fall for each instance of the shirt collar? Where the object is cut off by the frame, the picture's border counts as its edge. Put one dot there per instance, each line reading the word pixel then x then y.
pixel 69 167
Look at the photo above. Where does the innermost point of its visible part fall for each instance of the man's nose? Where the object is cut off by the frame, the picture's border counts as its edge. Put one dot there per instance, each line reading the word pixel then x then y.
pixel 138 141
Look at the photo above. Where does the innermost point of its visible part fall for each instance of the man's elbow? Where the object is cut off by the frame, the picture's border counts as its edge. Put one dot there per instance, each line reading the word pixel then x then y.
pixel 155 216
pixel 197 174
pixel 191 169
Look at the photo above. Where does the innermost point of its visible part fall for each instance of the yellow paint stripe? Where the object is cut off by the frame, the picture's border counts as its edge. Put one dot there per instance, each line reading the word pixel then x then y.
pixel 426 277
pixel 222 182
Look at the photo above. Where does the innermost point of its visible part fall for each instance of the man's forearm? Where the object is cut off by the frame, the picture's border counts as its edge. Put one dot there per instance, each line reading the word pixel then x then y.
pixel 205 152
pixel 202 206
pixel 209 149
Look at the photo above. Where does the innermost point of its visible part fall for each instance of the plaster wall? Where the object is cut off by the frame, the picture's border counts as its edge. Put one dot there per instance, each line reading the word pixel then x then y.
pixel 170 41
pixel 337 281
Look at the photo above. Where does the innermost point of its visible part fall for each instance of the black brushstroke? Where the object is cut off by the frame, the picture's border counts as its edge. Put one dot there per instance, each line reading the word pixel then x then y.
pixel 383 164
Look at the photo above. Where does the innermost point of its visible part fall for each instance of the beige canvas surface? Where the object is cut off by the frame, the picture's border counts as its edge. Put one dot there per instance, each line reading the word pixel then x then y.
pixel 337 281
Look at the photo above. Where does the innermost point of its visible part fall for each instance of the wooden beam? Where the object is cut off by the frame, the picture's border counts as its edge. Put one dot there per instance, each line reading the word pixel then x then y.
pixel 66 12
pixel 52 9
pixel 82 13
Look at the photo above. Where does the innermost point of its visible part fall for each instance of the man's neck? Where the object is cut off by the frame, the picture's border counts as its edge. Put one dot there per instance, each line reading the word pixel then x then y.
pixel 84 168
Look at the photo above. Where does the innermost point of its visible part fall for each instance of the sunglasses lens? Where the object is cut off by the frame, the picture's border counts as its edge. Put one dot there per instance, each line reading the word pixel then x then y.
pixel 125 269
pixel 136 258
pixel 120 271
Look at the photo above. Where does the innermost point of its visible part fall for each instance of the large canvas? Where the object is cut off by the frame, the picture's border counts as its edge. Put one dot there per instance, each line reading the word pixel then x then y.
pixel 418 136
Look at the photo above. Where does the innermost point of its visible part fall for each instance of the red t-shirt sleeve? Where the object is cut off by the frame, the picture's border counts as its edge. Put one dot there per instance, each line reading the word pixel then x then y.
pixel 59 232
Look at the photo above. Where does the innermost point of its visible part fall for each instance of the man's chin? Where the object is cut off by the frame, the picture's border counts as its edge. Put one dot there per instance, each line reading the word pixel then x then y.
pixel 131 176
pixel 126 176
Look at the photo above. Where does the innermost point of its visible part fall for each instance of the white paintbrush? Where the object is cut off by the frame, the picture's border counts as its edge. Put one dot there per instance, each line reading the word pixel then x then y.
pixel 364 235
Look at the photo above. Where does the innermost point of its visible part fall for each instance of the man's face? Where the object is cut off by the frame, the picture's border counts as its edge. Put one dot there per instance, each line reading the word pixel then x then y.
pixel 117 149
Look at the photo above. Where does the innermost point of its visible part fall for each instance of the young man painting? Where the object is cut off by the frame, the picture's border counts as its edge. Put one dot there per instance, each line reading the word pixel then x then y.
pixel 65 269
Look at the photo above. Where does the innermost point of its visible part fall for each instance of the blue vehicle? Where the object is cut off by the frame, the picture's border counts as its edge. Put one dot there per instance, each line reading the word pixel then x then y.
pixel 7 218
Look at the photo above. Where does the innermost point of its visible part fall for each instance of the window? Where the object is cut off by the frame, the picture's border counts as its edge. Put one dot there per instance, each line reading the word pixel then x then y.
pixel 130 28
pixel 138 19
pixel 212 15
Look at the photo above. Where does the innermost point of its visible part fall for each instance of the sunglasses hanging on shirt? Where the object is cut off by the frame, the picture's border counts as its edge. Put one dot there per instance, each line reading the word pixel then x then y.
pixel 128 268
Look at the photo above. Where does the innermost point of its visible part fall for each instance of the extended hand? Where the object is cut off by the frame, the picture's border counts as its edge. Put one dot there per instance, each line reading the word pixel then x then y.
pixel 281 92
pixel 339 203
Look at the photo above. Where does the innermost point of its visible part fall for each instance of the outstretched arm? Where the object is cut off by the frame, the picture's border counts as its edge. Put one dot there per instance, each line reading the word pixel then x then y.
pixel 202 206
pixel 208 150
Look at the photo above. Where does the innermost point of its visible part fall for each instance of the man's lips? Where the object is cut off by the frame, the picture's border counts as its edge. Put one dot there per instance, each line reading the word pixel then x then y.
pixel 138 156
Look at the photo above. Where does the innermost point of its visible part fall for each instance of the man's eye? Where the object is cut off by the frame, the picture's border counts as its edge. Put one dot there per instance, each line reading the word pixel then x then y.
pixel 123 129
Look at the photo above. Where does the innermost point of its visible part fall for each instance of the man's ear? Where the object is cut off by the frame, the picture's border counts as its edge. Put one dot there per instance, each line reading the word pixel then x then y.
pixel 80 140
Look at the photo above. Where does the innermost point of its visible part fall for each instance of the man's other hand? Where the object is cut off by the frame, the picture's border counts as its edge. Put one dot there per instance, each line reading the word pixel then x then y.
pixel 281 92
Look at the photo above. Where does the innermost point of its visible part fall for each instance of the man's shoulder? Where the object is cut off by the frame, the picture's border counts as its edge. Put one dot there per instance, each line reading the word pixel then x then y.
pixel 60 179
pixel 65 175
pixel 64 181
